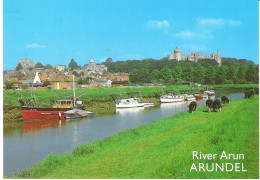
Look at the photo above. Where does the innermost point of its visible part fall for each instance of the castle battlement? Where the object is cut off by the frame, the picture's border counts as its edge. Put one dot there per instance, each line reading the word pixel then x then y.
pixel 176 54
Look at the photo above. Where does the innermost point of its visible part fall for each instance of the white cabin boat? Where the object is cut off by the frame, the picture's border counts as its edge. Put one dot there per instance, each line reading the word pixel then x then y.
pixel 169 98
pixel 129 103
pixel 189 97
pixel 210 93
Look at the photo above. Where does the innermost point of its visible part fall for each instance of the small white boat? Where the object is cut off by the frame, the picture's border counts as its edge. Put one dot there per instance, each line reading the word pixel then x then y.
pixel 129 103
pixel 148 104
pixel 78 113
pixel 210 93
pixel 190 97
pixel 169 98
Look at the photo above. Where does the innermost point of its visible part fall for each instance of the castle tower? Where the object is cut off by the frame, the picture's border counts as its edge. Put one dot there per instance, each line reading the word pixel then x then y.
pixel 177 53
pixel 219 60
pixel 92 65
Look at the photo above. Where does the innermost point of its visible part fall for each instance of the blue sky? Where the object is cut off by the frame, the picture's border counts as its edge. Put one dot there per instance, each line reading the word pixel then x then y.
pixel 55 31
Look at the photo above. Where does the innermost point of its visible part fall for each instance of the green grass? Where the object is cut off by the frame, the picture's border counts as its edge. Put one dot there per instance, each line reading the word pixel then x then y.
pixel 163 149
pixel 236 86
pixel 98 95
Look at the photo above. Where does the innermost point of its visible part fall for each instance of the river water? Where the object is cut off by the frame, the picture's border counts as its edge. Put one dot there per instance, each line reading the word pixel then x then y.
pixel 29 143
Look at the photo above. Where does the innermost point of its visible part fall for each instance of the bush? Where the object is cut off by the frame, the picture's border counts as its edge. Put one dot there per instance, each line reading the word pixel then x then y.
pixel 46 83
pixel 83 149
pixel 25 86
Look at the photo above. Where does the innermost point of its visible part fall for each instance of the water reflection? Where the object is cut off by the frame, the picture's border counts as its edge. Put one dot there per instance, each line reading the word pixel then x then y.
pixel 127 111
pixel 39 125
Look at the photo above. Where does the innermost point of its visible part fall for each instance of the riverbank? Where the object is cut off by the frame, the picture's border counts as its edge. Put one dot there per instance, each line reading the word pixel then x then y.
pixel 163 149
pixel 101 100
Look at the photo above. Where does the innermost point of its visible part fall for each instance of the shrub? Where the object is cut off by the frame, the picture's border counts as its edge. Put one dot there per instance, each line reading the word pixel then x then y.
pixel 83 149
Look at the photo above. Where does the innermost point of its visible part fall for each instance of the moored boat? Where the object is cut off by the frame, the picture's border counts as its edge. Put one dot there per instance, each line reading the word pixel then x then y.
pixel 56 111
pixel 198 96
pixel 78 113
pixel 129 103
pixel 210 93
pixel 169 98
pixel 148 104
pixel 189 97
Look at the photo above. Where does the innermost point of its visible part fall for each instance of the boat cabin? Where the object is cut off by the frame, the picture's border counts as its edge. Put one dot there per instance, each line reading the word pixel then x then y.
pixel 62 103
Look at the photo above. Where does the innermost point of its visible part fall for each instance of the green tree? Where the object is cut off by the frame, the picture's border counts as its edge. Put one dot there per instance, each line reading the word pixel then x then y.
pixel 232 74
pixel 139 75
pixel 48 66
pixel 187 73
pixel 177 73
pixel 155 75
pixel 221 75
pixel 81 74
pixel 38 65
pixel 73 65
pixel 46 83
pixel 75 73
pixel 199 74
pixel 251 74
pixel 25 86
pixel 108 62
pixel 241 74
pixel 210 75
pixel 18 67
pixel 166 74
pixel 9 85
pixel 84 80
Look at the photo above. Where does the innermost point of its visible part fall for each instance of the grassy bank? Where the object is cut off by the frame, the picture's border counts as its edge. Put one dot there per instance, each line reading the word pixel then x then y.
pixel 100 100
pixel 163 149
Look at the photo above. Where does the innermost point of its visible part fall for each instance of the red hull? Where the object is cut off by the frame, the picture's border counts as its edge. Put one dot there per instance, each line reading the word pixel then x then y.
pixel 38 115
pixel 198 97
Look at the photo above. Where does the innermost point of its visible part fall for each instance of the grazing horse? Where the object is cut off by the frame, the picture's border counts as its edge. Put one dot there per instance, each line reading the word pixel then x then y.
pixel 192 106
pixel 216 105
pixel 209 104
pixel 224 99
pixel 249 94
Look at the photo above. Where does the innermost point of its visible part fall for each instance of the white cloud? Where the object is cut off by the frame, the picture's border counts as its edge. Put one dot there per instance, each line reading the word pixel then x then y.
pixel 158 24
pixel 193 35
pixel 234 23
pixel 219 22
pixel 35 45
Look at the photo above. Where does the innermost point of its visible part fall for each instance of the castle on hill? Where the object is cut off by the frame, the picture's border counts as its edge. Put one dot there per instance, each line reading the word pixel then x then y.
pixel 176 54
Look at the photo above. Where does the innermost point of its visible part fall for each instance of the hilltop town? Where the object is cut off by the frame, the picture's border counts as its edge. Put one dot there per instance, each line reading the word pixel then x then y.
pixel 28 74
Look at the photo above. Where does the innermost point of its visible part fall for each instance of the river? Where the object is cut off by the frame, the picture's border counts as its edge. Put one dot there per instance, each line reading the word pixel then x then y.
pixel 30 142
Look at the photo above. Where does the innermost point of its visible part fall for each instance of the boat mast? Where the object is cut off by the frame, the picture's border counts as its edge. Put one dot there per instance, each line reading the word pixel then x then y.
pixel 73 92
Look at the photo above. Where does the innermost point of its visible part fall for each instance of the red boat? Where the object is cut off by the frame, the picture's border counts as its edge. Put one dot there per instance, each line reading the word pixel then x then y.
pixel 198 97
pixel 58 109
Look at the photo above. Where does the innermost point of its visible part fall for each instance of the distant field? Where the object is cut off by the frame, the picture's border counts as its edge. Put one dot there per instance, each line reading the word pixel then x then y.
pixel 163 149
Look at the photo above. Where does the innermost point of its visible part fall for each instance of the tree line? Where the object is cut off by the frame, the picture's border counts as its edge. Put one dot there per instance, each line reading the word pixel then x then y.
pixel 232 71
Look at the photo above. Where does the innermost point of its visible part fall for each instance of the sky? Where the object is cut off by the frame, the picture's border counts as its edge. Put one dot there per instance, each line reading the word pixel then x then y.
pixel 55 31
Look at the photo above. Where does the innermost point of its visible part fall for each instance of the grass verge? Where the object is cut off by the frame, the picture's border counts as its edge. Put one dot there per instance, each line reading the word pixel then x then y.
pixel 163 149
